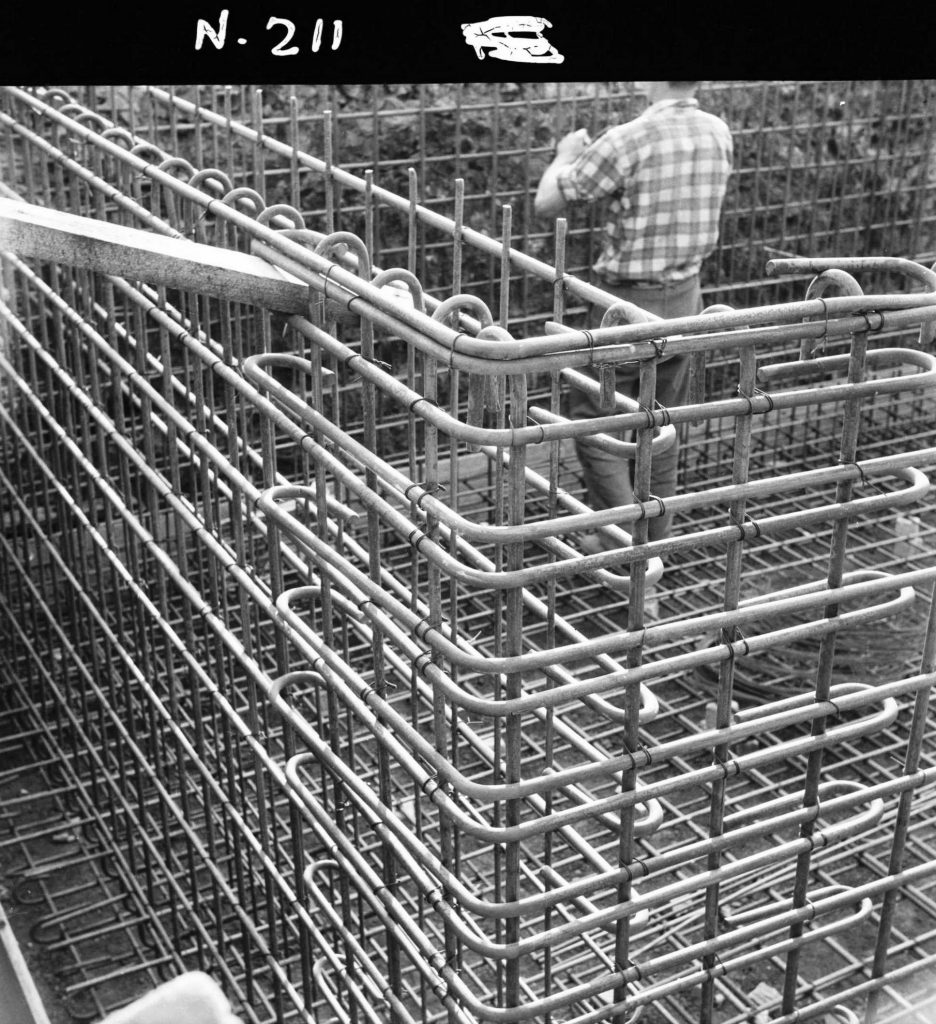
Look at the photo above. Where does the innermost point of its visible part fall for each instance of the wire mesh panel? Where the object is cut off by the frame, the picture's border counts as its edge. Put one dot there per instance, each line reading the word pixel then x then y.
pixel 308 648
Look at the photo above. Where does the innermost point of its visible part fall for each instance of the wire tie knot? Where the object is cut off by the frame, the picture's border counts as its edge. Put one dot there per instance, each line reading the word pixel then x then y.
pixel 629 966
pixel 825 328
pixel 648 757
pixel 325 282
pixel 451 362
pixel 868 328
pixel 420 668
pixel 379 363
pixel 865 481
pixel 747 398
pixel 763 394
pixel 650 414
pixel 542 430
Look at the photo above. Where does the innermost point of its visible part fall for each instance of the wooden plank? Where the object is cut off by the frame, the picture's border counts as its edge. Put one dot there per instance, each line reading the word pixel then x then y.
pixel 45 234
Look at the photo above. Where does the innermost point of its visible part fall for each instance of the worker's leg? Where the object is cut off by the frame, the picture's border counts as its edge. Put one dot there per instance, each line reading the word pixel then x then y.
pixel 672 388
pixel 608 478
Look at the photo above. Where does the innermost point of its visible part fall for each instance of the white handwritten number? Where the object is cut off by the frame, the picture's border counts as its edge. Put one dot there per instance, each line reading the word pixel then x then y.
pixel 278 50
pixel 203 28
pixel 337 27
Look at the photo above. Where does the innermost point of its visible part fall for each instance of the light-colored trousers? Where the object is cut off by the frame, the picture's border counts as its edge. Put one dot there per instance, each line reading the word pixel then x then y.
pixel 608 477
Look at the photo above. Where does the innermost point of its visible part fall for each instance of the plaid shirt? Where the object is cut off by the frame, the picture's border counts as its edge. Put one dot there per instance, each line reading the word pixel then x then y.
pixel 667 172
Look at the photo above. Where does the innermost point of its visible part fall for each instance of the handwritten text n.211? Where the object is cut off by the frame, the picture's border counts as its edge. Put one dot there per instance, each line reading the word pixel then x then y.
pixel 285 29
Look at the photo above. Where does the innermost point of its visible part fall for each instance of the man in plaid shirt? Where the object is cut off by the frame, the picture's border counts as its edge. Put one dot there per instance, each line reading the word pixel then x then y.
pixel 666 173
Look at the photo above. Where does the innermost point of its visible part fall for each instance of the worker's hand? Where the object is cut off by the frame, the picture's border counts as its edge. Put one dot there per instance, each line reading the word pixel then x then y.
pixel 569 146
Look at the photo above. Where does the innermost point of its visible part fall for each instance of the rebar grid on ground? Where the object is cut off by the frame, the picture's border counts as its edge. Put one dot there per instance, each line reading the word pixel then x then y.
pixel 347 662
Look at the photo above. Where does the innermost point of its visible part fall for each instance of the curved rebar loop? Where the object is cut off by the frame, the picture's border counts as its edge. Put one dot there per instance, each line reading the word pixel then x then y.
pixel 874 358
pixel 380 715
pixel 58 95
pixel 401 279
pixel 288 216
pixel 873 264
pixel 85 116
pixel 765 810
pixel 746 935
pixel 391 911
pixel 141 148
pixel 452 307
pixel 770 910
pixel 844 1015
pixel 394 914
pixel 410 492
pixel 171 172
pixel 177 163
pixel 406 847
pixel 209 178
pixel 412 843
pixel 614 423
pixel 649 705
pixel 121 134
pixel 289 225
pixel 748 723
pixel 436 637
pixel 375 981
pixel 379 988
pixel 238 198
pixel 213 177
pixel 777 715
pixel 425 501
pixel 339 243
pixel 372 1008
pixel 243 194
pixel 836 280
pixel 665 436
pixel 767 325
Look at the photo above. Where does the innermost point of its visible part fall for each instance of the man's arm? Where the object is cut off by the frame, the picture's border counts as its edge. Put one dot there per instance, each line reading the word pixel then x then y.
pixel 550 201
